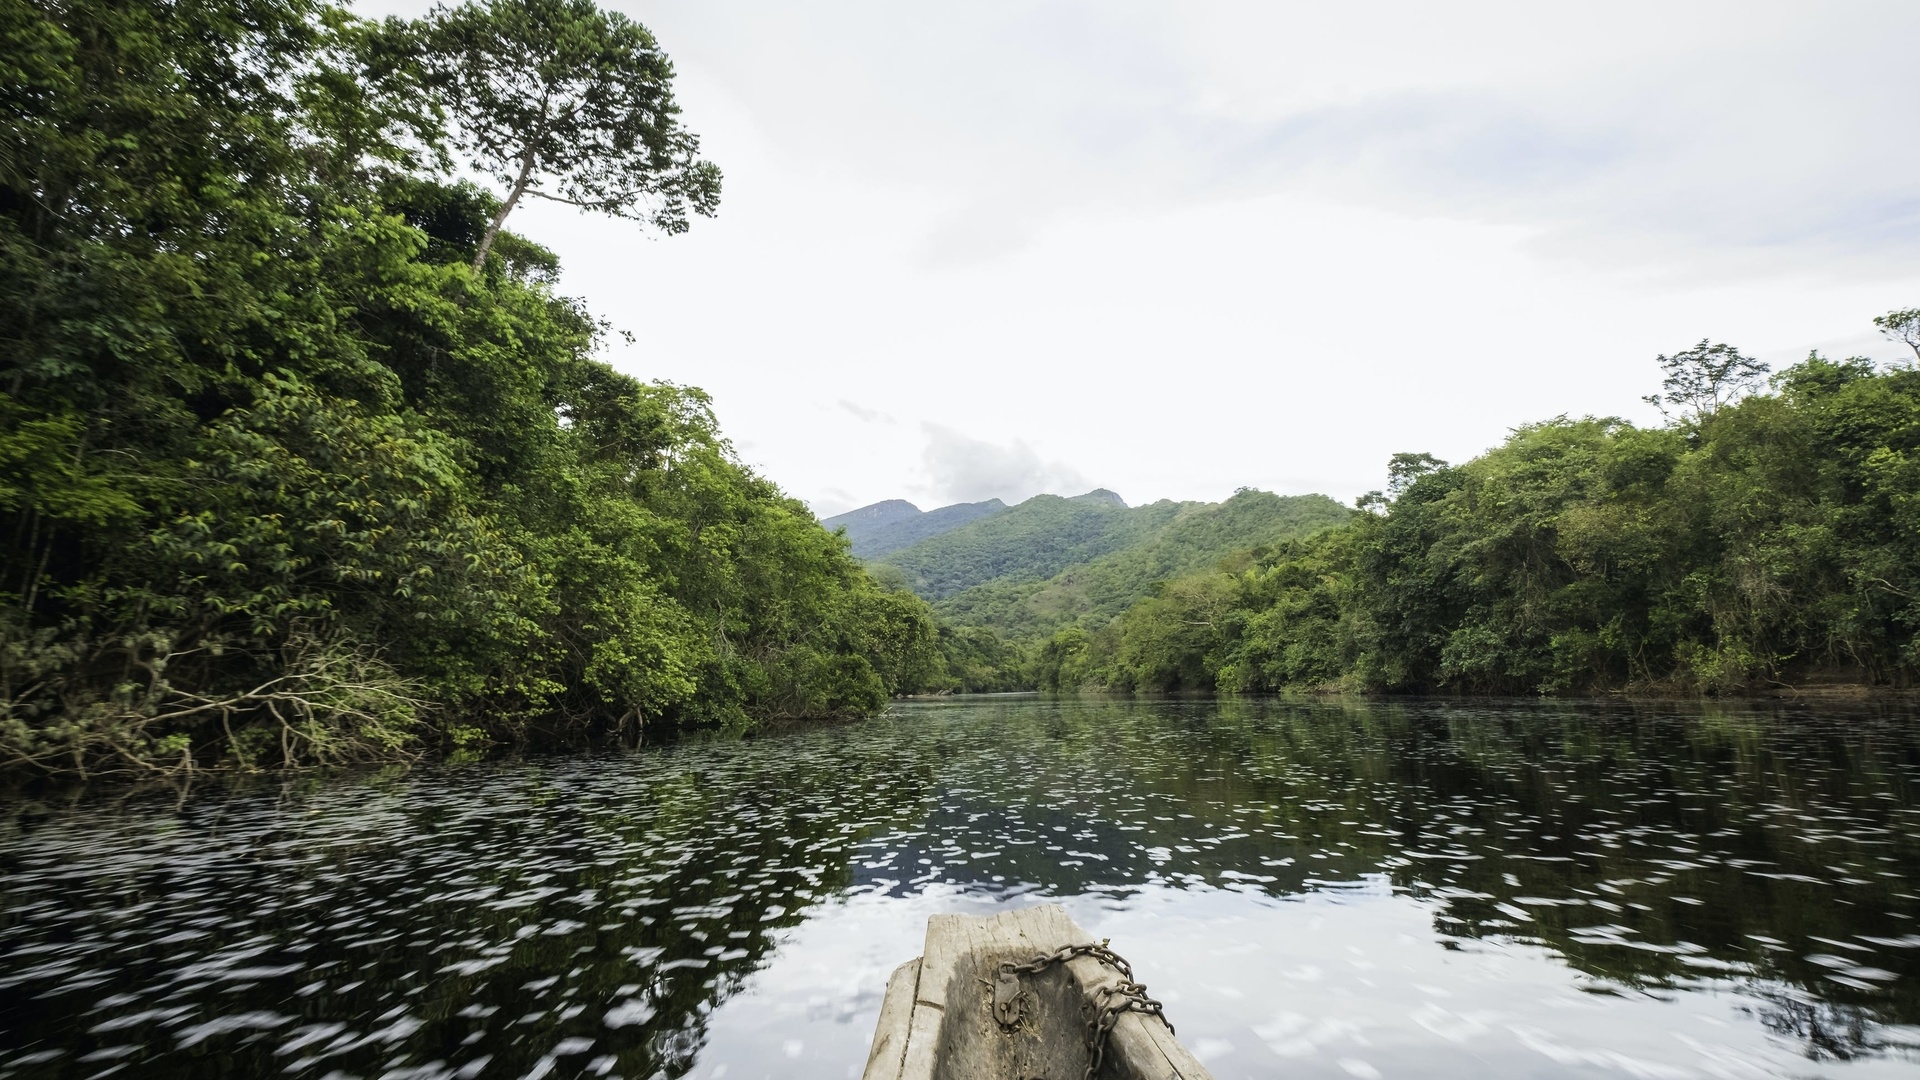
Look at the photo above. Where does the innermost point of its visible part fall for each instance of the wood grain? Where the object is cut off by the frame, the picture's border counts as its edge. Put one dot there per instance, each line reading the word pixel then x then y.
pixel 936 1022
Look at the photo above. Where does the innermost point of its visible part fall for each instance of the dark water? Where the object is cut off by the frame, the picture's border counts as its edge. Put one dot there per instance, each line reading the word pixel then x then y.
pixel 1401 890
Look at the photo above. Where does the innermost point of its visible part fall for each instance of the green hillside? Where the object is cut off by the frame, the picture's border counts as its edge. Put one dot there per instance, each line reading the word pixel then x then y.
pixel 1196 536
pixel 889 526
pixel 1029 542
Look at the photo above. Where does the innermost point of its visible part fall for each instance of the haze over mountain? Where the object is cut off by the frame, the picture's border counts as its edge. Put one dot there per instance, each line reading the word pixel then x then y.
pixel 896 523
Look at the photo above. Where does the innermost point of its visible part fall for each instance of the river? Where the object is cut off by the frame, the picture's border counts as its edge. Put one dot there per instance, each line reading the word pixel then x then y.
pixel 1320 889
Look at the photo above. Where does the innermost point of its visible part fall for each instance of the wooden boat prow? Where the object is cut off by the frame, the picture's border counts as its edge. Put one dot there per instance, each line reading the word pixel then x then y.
pixel 938 1022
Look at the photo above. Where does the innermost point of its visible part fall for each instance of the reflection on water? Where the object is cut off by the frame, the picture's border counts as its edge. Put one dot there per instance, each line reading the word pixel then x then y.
pixel 1364 890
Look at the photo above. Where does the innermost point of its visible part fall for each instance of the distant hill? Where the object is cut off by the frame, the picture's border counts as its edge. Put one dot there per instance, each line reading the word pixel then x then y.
pixel 1102 495
pixel 1029 542
pixel 894 524
pixel 1115 555
pixel 877 516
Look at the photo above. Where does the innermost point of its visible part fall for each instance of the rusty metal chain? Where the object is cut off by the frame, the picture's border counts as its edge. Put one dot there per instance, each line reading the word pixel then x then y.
pixel 1127 996
pixel 1122 997
pixel 1065 953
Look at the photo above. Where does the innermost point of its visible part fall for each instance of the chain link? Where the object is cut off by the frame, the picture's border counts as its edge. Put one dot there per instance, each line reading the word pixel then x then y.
pixel 1111 1001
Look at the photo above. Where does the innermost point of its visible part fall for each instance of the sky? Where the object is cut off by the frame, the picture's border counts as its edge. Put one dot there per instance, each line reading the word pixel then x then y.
pixel 984 250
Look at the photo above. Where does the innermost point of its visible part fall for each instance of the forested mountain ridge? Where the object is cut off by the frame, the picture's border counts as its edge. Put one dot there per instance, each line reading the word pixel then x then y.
pixel 888 526
pixel 1196 536
pixel 306 457
pixel 1028 542
pixel 876 516
pixel 1007 581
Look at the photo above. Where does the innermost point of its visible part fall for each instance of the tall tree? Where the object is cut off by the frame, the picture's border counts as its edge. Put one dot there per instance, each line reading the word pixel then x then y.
pixel 1703 379
pixel 1903 327
pixel 558 100
pixel 284 484
pixel 1404 468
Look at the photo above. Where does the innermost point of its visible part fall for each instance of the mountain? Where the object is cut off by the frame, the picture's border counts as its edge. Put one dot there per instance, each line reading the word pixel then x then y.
pixel 928 525
pixel 877 516
pixel 1102 495
pixel 1029 542
pixel 1028 570
pixel 894 524
pixel 1158 546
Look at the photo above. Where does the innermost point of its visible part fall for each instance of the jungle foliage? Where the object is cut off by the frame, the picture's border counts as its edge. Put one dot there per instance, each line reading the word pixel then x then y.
pixel 1194 536
pixel 299 468
pixel 1760 539
pixel 1005 578
pixel 1029 542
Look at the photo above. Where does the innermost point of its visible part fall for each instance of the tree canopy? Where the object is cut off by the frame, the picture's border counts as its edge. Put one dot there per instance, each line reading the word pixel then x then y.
pixel 1701 380
pixel 1760 543
pixel 297 471
pixel 559 100
pixel 1903 327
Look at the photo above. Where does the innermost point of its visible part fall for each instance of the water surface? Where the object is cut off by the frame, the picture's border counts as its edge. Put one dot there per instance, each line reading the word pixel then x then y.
pixel 1339 890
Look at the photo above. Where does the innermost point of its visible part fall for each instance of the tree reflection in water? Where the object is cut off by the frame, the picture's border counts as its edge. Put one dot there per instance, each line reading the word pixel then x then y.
pixel 589 915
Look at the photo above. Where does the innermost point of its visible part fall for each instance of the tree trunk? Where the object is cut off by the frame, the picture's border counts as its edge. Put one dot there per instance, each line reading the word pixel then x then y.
pixel 520 184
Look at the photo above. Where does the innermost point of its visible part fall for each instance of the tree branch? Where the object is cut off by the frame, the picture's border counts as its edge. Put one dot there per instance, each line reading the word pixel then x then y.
pixel 520 183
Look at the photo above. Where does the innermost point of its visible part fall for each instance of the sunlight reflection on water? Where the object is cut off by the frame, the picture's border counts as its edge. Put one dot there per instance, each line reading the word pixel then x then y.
pixel 1338 984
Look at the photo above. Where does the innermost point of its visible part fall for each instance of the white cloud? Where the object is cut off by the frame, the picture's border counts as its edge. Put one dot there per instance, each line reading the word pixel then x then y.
pixel 831 501
pixel 960 468
pixel 1215 244
pixel 864 414
pixel 1738 123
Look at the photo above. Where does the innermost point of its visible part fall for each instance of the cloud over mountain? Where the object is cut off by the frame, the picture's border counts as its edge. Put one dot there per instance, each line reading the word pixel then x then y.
pixel 960 468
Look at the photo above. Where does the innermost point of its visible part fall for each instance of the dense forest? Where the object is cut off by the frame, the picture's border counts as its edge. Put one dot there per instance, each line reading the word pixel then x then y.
pixel 1766 538
pixel 306 459
pixel 1170 540
pixel 1003 579
pixel 1094 539
pixel 1036 539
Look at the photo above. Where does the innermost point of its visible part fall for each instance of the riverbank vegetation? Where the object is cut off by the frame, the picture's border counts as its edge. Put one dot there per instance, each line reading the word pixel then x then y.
pixel 304 455
pixel 1765 538
pixel 1003 579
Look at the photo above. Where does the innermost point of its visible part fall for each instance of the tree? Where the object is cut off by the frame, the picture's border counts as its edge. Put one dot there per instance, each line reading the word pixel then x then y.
pixel 1704 378
pixel 1902 326
pixel 247 528
pixel 562 101
pixel 1404 468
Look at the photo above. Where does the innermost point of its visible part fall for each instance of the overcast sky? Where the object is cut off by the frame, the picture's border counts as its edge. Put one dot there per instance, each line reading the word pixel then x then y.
pixel 992 249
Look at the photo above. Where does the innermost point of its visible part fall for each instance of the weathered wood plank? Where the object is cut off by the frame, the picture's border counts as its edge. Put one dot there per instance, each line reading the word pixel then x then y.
pixel 923 1041
pixel 948 939
pixel 1143 1043
pixel 1152 1051
pixel 951 1034
pixel 896 1018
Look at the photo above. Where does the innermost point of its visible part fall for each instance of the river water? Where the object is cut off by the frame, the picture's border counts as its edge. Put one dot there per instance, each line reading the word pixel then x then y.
pixel 1424 889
